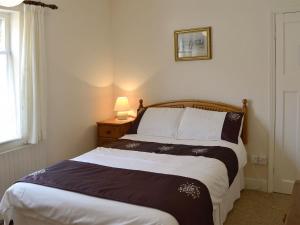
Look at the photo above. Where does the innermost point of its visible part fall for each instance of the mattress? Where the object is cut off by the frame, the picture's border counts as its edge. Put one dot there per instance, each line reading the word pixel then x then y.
pixel 62 207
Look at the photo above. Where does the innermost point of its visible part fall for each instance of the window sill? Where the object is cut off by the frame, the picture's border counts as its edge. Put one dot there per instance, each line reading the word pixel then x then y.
pixel 12 145
pixel 9 141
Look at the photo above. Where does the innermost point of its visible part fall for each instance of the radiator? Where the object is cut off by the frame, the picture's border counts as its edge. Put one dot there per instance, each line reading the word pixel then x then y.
pixel 18 163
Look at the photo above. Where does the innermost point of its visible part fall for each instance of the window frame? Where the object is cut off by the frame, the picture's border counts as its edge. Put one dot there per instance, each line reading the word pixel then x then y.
pixel 12 144
pixel 7 23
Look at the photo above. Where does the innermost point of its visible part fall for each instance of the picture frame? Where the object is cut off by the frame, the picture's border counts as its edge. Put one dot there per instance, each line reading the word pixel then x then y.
pixel 193 44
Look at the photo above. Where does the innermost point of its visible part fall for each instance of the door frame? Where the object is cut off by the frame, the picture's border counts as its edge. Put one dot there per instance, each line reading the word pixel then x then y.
pixel 272 99
pixel 272 103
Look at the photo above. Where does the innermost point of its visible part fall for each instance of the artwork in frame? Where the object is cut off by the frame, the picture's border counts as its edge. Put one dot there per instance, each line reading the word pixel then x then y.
pixel 193 44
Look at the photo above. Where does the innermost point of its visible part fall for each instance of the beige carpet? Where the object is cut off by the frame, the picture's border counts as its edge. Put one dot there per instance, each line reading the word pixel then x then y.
pixel 259 208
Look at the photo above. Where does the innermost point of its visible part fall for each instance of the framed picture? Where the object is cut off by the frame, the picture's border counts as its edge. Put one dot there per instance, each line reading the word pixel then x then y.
pixel 193 44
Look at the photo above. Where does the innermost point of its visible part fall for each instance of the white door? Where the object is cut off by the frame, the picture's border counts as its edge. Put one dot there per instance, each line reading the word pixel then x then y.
pixel 287 127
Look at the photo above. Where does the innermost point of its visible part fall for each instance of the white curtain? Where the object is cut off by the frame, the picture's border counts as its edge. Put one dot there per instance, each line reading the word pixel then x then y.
pixel 33 74
pixel 9 100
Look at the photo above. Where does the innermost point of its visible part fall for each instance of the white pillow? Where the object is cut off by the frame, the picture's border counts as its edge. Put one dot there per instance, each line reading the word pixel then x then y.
pixel 162 122
pixel 198 124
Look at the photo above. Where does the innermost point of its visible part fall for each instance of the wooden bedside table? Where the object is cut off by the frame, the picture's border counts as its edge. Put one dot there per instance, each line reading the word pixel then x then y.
pixel 112 129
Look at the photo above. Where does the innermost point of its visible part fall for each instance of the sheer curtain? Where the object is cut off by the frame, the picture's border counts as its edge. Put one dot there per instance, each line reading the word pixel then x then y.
pixel 9 83
pixel 9 100
pixel 33 74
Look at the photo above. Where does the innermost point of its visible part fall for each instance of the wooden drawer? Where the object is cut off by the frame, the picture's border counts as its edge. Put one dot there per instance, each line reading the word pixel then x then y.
pixel 104 141
pixel 109 131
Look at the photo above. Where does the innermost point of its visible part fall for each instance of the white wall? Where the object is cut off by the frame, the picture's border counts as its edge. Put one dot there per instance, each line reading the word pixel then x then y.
pixel 79 86
pixel 240 68
pixel 80 74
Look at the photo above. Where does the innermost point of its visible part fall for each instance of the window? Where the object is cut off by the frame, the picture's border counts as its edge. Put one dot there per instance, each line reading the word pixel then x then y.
pixel 10 129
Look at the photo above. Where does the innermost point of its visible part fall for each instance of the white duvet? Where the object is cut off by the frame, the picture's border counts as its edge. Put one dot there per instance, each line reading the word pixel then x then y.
pixel 63 207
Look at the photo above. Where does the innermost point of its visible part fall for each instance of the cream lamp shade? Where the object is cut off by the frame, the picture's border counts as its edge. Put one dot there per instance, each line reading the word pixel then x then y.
pixel 10 3
pixel 122 107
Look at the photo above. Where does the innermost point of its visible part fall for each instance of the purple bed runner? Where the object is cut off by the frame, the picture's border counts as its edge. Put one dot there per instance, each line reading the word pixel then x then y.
pixel 225 155
pixel 188 200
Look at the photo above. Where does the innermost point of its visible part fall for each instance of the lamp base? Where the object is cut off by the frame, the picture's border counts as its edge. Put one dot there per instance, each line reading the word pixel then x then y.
pixel 122 115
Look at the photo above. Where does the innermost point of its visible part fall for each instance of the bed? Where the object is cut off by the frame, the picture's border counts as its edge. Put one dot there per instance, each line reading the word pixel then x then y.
pixel 32 204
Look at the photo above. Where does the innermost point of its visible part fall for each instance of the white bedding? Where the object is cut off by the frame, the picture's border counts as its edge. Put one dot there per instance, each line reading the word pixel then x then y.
pixel 63 207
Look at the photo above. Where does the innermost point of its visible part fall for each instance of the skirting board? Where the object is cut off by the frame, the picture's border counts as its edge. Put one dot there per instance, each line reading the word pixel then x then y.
pixel 256 184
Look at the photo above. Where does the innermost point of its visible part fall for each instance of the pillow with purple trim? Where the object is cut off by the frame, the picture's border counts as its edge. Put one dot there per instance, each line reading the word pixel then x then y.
pixel 205 125
pixel 135 125
pixel 232 127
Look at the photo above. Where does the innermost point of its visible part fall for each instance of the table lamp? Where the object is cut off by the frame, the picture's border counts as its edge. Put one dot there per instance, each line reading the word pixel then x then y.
pixel 122 107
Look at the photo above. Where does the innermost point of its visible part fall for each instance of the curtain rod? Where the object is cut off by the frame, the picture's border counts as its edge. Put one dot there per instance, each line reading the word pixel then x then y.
pixel 40 4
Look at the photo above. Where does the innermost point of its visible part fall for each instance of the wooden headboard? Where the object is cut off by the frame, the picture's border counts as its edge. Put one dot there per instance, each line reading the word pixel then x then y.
pixel 207 105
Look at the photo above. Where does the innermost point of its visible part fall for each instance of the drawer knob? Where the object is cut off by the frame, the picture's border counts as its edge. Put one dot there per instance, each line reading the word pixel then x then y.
pixel 108 132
